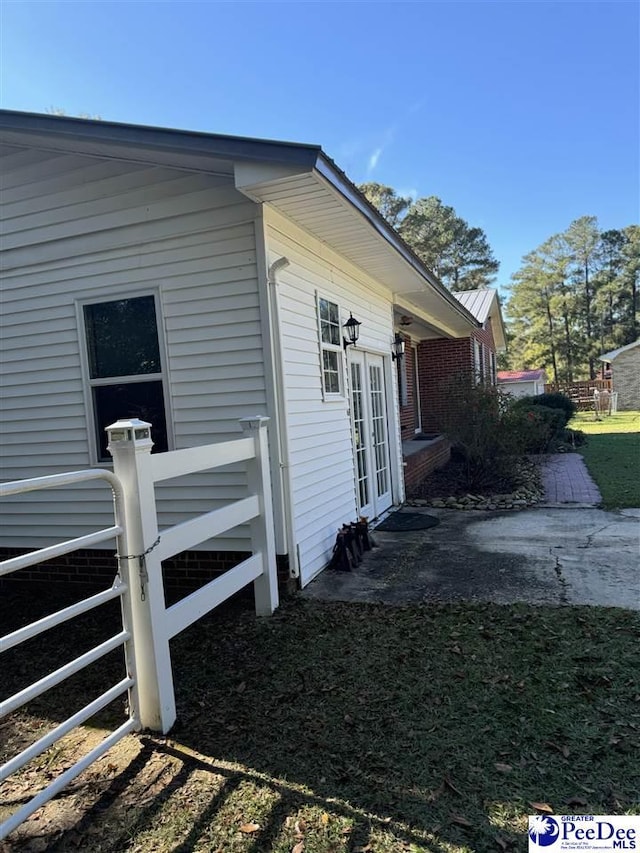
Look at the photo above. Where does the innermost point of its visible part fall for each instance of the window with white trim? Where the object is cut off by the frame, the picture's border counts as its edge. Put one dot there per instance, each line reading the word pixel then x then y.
pixel 125 367
pixel 331 349
pixel 479 362
pixel 494 368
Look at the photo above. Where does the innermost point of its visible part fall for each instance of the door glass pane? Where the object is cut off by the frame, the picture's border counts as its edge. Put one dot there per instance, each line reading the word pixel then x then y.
pixel 122 337
pixel 360 434
pixel 379 425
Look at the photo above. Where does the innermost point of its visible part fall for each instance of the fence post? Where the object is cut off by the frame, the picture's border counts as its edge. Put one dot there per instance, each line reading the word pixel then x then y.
pixel 265 588
pixel 130 445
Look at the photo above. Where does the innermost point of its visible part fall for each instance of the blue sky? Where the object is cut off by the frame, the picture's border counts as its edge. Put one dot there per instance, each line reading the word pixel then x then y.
pixel 522 115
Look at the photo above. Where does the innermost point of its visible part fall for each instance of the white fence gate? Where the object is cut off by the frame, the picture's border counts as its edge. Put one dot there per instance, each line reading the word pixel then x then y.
pixel 147 624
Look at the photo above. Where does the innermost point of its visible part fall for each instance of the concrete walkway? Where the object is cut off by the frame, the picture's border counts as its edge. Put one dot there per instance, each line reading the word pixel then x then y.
pixel 564 551
pixel 566 480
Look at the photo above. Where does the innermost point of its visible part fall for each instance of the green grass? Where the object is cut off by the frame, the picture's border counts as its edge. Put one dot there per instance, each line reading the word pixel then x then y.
pixel 612 455
pixel 334 727
pixel 627 422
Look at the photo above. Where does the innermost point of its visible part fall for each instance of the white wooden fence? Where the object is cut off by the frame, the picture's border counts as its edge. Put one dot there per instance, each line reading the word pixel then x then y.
pixel 147 624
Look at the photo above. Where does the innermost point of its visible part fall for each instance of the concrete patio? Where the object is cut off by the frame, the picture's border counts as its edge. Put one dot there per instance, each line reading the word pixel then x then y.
pixel 564 551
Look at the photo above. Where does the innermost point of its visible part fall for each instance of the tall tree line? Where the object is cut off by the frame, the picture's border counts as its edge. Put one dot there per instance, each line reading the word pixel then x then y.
pixel 574 298
pixel 458 254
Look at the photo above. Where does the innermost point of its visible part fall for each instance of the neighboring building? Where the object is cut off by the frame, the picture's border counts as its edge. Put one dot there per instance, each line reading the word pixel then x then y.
pixel 522 383
pixel 625 375
pixel 192 279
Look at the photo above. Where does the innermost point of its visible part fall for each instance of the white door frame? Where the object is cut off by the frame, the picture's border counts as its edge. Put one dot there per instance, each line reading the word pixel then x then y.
pixel 368 501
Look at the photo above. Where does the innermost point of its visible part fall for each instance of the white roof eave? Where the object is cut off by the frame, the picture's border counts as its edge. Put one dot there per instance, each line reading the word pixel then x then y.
pixel 314 204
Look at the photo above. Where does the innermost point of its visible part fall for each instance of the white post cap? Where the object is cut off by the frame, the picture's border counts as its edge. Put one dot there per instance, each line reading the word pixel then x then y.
pixel 130 430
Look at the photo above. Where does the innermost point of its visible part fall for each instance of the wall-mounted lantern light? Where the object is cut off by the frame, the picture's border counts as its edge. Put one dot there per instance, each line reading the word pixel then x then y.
pixel 397 348
pixel 353 331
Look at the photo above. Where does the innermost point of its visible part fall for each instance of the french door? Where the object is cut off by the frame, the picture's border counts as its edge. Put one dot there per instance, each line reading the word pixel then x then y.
pixel 370 433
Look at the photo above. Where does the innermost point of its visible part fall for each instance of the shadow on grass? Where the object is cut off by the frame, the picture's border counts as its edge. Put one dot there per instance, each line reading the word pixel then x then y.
pixel 347 725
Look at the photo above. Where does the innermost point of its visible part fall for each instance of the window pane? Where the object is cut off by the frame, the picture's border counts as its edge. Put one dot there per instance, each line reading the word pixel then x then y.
pixel 331 378
pixel 329 322
pixel 122 338
pixel 142 400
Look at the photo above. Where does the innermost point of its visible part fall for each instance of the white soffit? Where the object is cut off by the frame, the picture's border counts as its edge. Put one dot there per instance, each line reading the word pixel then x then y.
pixel 311 202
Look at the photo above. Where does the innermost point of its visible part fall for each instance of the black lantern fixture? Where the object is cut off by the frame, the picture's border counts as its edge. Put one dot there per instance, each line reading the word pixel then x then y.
pixel 353 331
pixel 397 348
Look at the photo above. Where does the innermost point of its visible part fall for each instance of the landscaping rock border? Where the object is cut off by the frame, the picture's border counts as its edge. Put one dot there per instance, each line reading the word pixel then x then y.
pixel 528 494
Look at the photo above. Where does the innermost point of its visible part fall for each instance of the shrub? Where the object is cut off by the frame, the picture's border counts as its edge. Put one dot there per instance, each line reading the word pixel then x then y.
pixel 473 421
pixel 555 400
pixel 534 429
pixel 574 437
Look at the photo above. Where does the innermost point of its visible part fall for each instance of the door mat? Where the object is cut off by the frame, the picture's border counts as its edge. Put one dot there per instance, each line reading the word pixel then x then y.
pixel 399 522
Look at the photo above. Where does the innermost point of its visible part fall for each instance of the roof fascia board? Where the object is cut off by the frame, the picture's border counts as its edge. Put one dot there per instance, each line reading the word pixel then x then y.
pixel 348 190
pixel 141 137
pixel 501 338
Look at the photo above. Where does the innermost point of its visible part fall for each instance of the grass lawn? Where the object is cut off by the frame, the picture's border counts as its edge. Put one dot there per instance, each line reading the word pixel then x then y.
pixel 334 727
pixel 612 454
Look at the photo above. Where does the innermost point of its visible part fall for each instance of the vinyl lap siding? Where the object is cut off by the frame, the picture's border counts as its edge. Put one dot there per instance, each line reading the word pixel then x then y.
pixel 86 228
pixel 320 439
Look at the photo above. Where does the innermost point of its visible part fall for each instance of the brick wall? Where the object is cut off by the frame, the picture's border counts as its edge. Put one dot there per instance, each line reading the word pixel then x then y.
pixel 626 379
pixel 96 569
pixel 485 336
pixel 422 463
pixel 439 361
pixel 408 423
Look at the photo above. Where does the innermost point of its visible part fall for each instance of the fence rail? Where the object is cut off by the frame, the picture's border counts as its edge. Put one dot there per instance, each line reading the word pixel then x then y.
pixel 123 639
pixel 147 625
pixel 581 392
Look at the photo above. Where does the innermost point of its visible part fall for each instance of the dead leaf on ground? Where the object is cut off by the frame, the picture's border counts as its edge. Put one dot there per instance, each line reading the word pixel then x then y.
pixel 249 827
pixel 542 807
pixel 324 819
pixel 298 848
pixel 461 821
pixel 364 849
pixel 449 784
pixel 503 768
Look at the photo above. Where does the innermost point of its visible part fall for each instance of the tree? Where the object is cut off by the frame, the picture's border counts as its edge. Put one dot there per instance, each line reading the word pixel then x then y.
pixel 582 238
pixel 575 297
pixel 457 253
pixel 533 325
pixel 391 205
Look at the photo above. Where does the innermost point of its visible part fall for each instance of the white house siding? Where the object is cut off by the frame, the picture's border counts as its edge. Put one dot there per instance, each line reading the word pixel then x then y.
pixel 87 228
pixel 320 439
